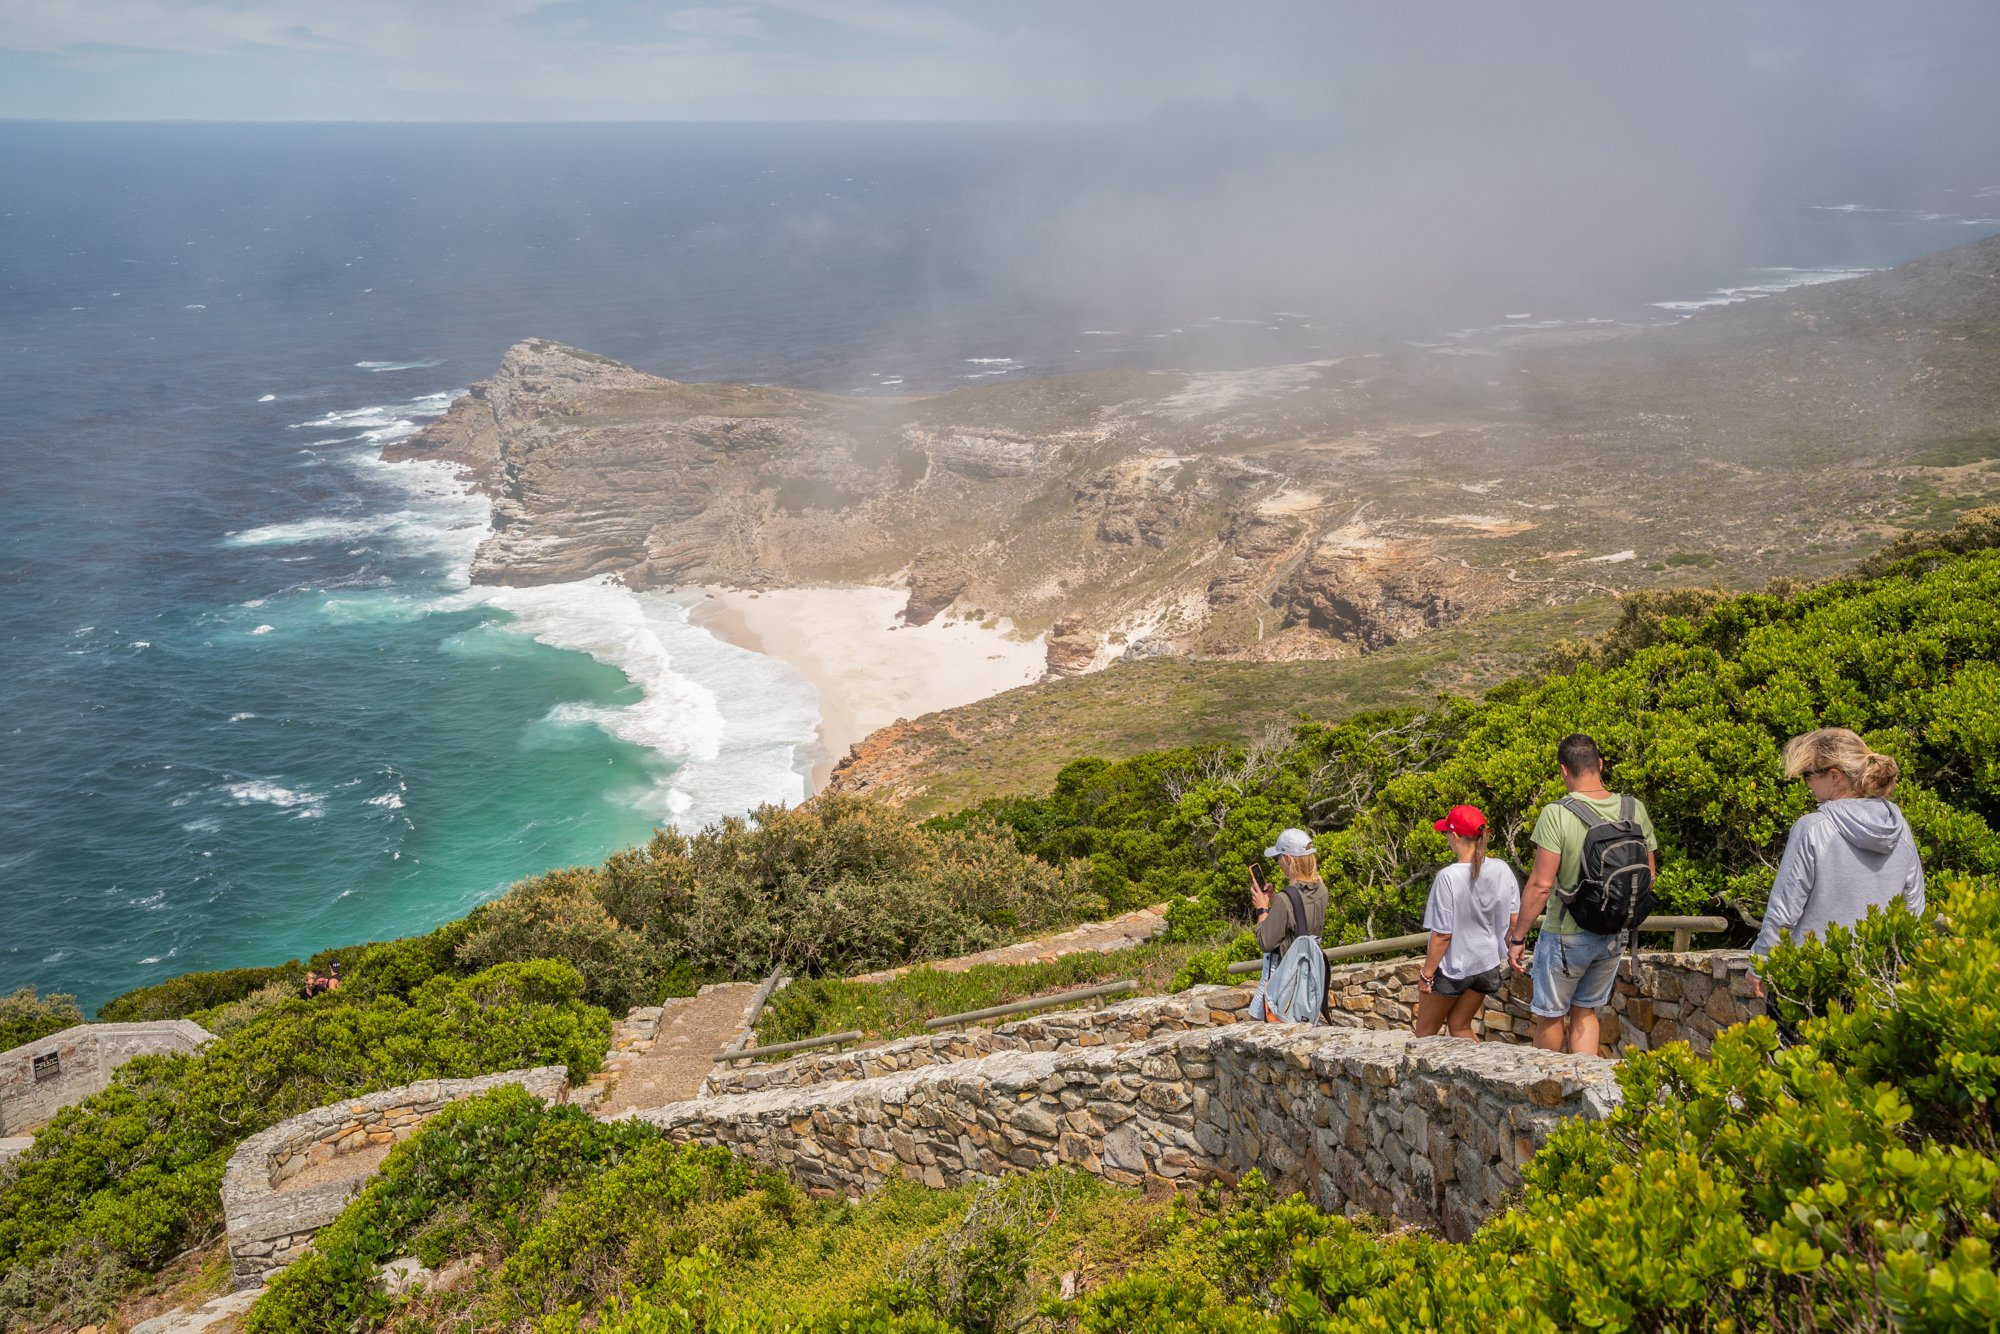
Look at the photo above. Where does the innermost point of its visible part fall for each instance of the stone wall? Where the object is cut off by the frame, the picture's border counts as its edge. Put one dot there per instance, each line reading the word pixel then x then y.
pixel 1659 997
pixel 83 1058
pixel 1430 1131
pixel 268 1225
pixel 1130 1021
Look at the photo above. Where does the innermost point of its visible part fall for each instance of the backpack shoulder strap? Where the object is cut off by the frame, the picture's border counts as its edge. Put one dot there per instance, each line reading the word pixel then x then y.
pixel 1626 807
pixel 1582 811
pixel 1298 902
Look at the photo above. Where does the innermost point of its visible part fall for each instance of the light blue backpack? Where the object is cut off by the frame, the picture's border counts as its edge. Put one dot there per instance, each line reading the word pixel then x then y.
pixel 1295 981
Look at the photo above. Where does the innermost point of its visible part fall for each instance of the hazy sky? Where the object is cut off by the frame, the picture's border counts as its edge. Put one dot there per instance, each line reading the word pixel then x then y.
pixel 1859 67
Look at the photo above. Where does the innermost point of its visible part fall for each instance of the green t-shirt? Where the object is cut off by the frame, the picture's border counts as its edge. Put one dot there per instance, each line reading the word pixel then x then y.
pixel 1558 830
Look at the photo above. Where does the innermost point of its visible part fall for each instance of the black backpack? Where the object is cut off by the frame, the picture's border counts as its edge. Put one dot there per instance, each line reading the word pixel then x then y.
pixel 1614 893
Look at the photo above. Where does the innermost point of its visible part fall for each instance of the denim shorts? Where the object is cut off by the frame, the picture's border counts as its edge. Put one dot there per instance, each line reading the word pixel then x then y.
pixel 1574 972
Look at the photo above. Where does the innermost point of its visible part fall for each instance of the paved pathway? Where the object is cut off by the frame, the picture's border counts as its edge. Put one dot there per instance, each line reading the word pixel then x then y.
pixel 670 1067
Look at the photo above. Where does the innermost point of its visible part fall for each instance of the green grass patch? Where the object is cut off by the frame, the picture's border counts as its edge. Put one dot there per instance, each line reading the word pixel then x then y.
pixel 813 1006
pixel 1959 451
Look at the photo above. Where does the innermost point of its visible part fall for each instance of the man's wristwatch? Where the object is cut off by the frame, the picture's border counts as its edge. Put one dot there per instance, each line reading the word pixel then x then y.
pixel 1522 941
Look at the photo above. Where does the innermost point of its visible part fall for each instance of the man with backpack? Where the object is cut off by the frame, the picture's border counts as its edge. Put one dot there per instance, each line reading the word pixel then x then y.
pixel 1289 922
pixel 1596 850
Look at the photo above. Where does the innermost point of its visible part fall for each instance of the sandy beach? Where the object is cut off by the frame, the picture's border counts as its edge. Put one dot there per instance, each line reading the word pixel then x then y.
pixel 868 667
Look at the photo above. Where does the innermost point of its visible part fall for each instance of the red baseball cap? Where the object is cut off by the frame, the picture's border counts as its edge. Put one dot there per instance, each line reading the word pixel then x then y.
pixel 1465 821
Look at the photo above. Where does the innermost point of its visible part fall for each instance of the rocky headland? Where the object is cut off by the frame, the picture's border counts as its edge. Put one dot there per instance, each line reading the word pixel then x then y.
pixel 1313 511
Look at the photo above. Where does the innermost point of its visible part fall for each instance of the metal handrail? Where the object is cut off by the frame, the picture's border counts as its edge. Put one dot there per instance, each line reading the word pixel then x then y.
pixel 803 1044
pixel 1684 929
pixel 1033 1003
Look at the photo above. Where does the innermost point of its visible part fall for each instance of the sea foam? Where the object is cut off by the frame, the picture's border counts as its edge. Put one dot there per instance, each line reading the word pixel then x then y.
pixel 733 725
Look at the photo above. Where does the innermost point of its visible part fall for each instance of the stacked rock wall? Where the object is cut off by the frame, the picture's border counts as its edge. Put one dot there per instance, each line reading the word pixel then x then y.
pixel 40 1078
pixel 1130 1021
pixel 269 1225
pixel 1429 1131
pixel 1659 998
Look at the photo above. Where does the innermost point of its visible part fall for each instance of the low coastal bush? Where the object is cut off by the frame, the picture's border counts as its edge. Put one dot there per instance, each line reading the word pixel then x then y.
pixel 24 1016
pixel 839 885
pixel 1692 709
pixel 1847 1181
pixel 130 1177
pixel 477 1180
pixel 558 1222
pixel 180 997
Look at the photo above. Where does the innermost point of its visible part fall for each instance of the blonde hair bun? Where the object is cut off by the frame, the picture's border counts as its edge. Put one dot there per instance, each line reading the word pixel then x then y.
pixel 1871 773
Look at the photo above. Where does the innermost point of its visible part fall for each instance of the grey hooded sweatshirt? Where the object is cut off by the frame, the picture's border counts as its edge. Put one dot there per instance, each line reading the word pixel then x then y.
pixel 1849 855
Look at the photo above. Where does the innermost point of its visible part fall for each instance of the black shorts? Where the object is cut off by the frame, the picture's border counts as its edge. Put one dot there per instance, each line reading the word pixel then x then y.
pixel 1488 982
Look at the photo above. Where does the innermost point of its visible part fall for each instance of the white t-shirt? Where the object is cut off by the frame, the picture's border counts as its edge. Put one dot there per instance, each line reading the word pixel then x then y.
pixel 1474 916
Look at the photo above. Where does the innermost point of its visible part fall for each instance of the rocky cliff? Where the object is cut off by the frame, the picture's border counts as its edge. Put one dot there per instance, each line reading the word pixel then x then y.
pixel 1308 511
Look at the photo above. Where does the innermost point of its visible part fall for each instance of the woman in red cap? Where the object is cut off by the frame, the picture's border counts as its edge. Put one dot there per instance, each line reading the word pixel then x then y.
pixel 1472 901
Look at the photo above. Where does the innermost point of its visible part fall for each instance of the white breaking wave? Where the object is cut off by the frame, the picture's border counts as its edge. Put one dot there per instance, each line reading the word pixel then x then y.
pixel 732 728
pixel 1784 280
pixel 308 805
pixel 991 361
pixel 268 398
pixel 262 630
pixel 379 366
pixel 734 725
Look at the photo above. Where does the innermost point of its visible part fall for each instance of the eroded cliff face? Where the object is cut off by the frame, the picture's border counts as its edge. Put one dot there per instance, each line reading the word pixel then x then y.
pixel 1307 511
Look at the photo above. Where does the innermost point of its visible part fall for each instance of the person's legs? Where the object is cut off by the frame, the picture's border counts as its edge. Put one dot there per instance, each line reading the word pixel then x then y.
pixel 1553 988
pixel 1433 1010
pixel 1463 1008
pixel 1595 959
pixel 1583 1030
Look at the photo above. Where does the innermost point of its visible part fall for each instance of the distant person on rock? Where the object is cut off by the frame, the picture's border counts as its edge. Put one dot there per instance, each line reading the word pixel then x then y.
pixel 1596 850
pixel 1295 913
pixel 1852 854
pixel 1473 902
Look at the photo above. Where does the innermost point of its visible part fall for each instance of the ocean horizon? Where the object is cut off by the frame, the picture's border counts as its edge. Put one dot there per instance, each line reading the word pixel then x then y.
pixel 256 706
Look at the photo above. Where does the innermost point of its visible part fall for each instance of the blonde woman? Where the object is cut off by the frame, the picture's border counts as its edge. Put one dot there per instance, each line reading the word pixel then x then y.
pixel 1471 905
pixel 1277 925
pixel 1853 853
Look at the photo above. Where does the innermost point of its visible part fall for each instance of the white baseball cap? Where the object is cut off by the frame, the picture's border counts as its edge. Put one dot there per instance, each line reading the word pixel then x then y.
pixel 1291 843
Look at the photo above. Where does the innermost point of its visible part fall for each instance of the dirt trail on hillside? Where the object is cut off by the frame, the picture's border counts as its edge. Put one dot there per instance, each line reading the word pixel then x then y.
pixel 693 1032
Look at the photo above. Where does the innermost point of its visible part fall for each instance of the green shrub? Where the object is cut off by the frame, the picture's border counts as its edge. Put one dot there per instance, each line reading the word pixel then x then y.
pixel 24 1016
pixel 131 1176
pixel 1692 699
pixel 838 885
pixel 493 1159
pixel 179 997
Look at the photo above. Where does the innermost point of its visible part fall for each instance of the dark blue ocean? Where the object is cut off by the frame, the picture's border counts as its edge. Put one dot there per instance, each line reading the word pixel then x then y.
pixel 252 707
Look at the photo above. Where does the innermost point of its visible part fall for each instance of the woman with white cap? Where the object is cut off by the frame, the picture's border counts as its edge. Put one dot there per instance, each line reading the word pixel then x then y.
pixel 1278 925
pixel 1472 901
